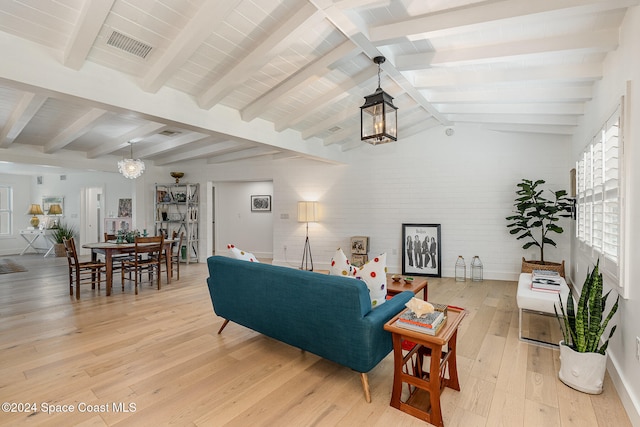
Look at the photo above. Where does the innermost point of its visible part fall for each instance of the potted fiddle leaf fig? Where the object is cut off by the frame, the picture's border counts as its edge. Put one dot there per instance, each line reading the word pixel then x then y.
pixel 536 218
pixel 583 358
pixel 63 231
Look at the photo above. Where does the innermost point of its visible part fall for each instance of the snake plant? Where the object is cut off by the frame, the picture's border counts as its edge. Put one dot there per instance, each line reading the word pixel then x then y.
pixel 63 231
pixel 583 326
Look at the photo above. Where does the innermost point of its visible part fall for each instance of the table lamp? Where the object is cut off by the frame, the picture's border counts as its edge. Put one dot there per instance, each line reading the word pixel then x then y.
pixel 55 209
pixel 307 212
pixel 34 210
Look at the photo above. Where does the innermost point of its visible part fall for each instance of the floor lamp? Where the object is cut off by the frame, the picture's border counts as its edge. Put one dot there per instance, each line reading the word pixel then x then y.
pixel 307 212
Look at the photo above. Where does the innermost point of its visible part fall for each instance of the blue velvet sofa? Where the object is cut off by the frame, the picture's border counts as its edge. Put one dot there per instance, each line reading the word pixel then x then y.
pixel 330 316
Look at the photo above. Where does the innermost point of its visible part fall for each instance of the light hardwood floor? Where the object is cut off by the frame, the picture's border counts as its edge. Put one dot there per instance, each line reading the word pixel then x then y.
pixel 160 352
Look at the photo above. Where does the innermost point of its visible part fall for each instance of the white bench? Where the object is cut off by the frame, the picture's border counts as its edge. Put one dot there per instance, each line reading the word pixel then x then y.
pixel 539 302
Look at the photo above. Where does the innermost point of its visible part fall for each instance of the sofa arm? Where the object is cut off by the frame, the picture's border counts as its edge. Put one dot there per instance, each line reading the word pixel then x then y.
pixel 381 315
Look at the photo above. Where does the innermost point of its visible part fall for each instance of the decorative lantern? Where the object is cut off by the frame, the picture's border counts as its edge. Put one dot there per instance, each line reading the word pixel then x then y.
pixel 476 269
pixel 378 115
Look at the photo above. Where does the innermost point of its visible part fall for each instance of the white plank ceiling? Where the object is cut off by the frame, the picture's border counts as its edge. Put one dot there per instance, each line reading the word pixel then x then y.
pixel 305 65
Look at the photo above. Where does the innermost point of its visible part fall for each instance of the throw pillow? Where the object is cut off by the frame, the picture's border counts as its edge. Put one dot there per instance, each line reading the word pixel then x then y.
pixel 240 254
pixel 340 265
pixel 374 274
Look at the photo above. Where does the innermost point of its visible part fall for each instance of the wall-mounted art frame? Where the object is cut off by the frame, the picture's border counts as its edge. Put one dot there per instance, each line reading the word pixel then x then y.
pixel 124 207
pixel 421 250
pixel 261 203
pixel 47 201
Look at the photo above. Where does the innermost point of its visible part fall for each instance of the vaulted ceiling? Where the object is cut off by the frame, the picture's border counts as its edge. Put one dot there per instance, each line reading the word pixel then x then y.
pixel 303 66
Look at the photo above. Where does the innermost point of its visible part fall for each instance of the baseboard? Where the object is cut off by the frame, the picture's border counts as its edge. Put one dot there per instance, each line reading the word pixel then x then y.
pixel 631 403
pixel 263 254
pixel 316 266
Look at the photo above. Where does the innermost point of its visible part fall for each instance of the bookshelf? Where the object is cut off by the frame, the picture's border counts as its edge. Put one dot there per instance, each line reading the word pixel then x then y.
pixel 177 209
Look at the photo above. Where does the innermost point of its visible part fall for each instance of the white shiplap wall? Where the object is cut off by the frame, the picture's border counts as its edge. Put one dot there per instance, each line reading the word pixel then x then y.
pixel 466 183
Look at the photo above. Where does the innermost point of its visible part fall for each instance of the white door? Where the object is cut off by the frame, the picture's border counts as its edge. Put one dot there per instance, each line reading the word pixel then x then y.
pixel 91 215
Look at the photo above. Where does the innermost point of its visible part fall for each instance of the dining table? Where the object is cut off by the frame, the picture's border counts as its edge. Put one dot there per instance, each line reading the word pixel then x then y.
pixel 111 248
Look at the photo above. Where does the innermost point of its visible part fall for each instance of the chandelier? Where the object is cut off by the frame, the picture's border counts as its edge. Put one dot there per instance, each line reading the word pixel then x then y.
pixel 131 168
pixel 378 115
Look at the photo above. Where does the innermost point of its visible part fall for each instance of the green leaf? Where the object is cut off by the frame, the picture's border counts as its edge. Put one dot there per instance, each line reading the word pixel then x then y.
pixel 537 213
pixel 583 328
pixel 554 228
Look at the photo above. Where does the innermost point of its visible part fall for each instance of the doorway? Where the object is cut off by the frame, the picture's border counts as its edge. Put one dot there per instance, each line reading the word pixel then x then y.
pixel 213 219
pixel 232 219
pixel 91 215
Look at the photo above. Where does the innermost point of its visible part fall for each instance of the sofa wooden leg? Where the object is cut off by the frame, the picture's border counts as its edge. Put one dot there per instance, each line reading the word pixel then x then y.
pixel 365 386
pixel 226 321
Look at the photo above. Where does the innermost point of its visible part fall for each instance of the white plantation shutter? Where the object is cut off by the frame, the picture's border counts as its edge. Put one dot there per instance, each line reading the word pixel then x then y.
pixel 598 191
pixel 611 190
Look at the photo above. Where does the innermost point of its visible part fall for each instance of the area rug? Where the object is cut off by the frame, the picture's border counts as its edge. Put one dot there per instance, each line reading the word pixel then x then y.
pixel 8 266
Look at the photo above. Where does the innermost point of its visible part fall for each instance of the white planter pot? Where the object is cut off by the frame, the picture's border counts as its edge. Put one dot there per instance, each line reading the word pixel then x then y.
pixel 582 371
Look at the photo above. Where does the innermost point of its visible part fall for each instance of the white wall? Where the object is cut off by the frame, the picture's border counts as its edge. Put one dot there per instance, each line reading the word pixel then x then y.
pixel 27 191
pixel 238 225
pixel 621 66
pixel 466 183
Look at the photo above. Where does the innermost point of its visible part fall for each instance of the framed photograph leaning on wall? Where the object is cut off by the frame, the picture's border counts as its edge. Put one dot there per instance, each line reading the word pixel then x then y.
pixel 360 245
pixel 421 250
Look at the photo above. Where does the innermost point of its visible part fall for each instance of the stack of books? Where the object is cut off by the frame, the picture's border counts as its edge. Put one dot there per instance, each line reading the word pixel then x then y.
pixel 430 323
pixel 545 281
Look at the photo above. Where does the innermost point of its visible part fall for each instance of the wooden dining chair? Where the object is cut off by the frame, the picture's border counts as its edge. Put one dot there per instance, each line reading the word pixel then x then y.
pixel 117 258
pixel 147 260
pixel 175 257
pixel 82 272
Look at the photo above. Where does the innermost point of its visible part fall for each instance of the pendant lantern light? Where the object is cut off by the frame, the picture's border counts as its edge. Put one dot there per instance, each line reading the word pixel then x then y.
pixel 378 115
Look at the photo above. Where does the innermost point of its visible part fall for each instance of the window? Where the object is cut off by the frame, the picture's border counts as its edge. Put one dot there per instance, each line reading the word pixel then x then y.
pixel 599 196
pixel 6 210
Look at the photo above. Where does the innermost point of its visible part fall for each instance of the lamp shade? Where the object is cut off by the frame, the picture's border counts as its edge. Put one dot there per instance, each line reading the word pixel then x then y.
pixel 307 211
pixel 35 209
pixel 55 209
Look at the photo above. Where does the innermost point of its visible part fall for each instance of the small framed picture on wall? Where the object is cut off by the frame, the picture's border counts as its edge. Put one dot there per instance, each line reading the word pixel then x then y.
pixel 261 203
pixel 124 207
pixel 421 249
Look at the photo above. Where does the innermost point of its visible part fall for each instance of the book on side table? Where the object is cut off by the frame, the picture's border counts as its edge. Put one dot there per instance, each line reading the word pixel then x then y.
pixel 430 324
pixel 545 280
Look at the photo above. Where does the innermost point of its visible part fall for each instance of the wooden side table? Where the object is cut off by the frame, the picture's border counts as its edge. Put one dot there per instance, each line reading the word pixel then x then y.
pixel 418 284
pixel 425 382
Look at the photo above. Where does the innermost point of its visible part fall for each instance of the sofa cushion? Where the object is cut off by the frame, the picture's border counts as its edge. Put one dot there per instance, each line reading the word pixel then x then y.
pixel 240 254
pixel 340 265
pixel 374 274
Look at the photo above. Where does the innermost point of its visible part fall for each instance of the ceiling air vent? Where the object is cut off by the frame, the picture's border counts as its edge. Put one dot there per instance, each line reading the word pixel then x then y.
pixel 129 45
pixel 169 133
pixel 335 129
